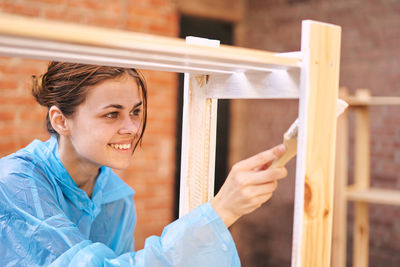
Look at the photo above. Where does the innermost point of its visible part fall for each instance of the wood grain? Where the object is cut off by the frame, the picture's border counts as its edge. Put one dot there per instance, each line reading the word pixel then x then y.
pixel 361 181
pixel 316 148
pixel 339 230
pixel 33 37
pixel 199 129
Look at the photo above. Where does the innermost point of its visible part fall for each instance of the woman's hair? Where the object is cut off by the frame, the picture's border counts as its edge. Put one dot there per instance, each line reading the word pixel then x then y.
pixel 65 85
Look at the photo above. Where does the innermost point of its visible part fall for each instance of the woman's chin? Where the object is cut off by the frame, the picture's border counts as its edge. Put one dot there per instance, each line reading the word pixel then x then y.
pixel 121 165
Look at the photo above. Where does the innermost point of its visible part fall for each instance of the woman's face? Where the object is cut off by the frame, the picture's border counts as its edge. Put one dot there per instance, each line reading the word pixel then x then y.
pixel 106 126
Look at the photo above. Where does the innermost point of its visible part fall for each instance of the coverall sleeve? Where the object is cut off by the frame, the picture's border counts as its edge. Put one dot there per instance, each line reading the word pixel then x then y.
pixel 36 232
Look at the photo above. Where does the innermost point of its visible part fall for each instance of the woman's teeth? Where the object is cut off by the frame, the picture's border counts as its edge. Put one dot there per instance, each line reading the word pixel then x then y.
pixel 121 146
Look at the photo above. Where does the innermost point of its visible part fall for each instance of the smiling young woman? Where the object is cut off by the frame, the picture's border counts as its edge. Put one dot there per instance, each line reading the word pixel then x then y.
pixel 62 205
pixel 103 131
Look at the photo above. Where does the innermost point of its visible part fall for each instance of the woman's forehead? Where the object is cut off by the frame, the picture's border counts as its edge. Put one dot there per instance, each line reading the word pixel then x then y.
pixel 121 90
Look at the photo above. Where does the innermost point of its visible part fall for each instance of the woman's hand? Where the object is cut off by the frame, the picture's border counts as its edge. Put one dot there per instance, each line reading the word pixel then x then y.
pixel 249 184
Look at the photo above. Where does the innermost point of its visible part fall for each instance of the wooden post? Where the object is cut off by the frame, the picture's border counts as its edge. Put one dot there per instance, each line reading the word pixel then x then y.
pixel 199 129
pixel 339 235
pixel 361 181
pixel 316 148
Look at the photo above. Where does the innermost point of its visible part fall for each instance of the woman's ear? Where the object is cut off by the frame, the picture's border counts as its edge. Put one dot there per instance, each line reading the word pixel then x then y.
pixel 58 121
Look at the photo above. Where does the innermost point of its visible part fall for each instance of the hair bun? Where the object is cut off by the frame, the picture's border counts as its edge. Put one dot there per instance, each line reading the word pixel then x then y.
pixel 37 89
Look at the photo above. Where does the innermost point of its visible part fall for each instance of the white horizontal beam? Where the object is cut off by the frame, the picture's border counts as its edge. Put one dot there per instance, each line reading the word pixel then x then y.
pixel 273 84
pixel 48 50
pixel 35 38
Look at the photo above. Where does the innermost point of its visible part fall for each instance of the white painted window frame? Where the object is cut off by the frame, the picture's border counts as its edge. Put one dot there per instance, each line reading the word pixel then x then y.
pixel 212 73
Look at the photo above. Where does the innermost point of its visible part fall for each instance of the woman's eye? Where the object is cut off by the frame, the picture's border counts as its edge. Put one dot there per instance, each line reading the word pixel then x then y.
pixel 111 115
pixel 136 112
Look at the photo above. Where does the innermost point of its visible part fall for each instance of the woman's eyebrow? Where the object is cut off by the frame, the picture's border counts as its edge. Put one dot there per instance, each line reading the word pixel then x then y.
pixel 138 104
pixel 118 106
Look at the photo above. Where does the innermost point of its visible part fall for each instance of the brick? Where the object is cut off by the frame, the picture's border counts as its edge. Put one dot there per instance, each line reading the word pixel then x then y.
pixel 158 204
pixel 8 84
pixel 17 100
pixel 19 131
pixel 21 9
pixel 9 69
pixel 59 2
pixel 160 3
pixel 105 21
pixel 33 116
pixel 136 25
pixel 61 14
pixel 147 13
pixel 91 5
pixel 6 115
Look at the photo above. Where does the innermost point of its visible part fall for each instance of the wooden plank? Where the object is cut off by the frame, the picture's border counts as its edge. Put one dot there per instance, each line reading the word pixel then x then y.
pixel 199 126
pixel 361 235
pixel 273 84
pixel 339 229
pixel 319 84
pixel 198 147
pixel 373 100
pixel 361 182
pixel 36 38
pixel 255 85
pixel 374 195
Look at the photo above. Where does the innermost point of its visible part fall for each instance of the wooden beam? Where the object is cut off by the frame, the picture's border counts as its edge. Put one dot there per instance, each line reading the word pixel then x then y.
pixel 339 230
pixel 199 130
pixel 273 84
pixel 41 39
pixel 319 84
pixel 373 100
pixel 361 181
pixel 374 195
pixel 198 145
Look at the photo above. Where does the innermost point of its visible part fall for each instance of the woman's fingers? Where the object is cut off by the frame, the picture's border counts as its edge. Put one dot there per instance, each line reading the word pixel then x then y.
pixel 261 177
pixel 249 184
pixel 268 175
pixel 256 191
pixel 259 160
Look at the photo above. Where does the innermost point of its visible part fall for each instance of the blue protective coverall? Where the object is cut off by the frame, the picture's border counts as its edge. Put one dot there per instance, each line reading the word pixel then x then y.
pixel 46 219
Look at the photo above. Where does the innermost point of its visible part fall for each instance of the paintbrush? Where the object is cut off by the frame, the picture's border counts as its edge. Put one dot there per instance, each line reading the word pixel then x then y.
pixel 290 138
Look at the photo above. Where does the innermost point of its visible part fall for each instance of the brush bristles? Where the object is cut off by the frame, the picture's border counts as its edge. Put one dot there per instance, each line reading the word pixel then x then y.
pixel 292 131
pixel 341 107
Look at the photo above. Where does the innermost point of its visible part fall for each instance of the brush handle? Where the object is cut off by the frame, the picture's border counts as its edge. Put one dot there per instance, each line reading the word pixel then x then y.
pixel 291 151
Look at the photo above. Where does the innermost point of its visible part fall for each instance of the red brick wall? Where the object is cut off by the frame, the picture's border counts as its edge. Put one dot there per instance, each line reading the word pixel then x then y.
pixel 22 120
pixel 370 59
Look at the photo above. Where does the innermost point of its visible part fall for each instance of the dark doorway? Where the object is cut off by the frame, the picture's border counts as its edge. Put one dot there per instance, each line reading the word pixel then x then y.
pixel 223 31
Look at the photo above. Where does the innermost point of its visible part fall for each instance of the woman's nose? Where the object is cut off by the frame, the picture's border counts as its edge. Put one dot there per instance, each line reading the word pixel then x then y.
pixel 129 126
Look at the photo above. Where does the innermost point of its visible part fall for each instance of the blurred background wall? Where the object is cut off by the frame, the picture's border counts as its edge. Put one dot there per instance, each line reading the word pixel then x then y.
pixel 370 59
pixel 21 119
